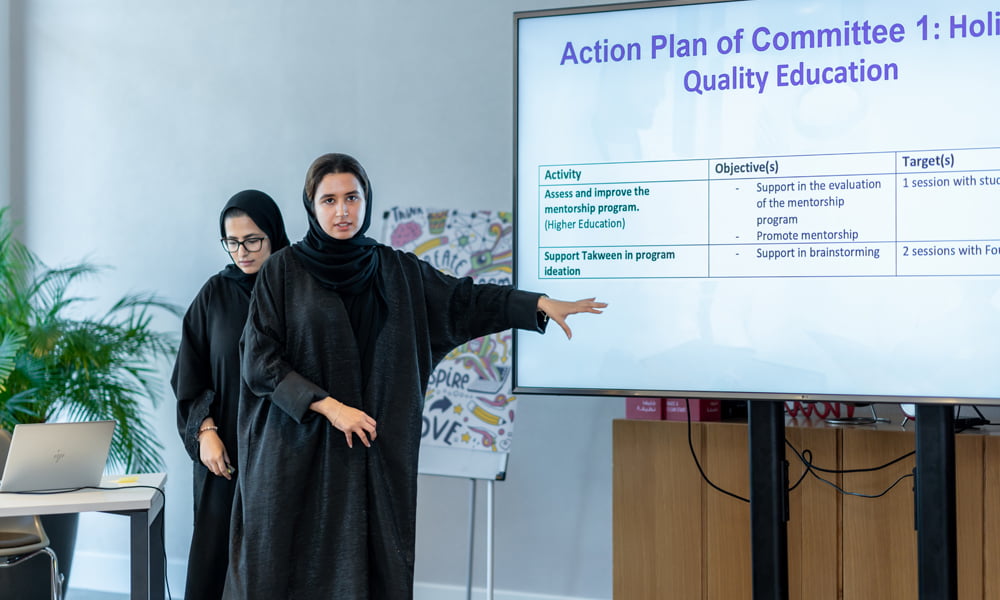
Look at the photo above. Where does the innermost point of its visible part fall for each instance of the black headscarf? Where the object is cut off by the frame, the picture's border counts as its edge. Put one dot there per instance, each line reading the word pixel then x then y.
pixel 262 209
pixel 346 266
pixel 349 267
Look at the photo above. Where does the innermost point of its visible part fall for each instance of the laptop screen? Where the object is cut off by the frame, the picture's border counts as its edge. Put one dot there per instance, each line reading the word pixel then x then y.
pixel 56 456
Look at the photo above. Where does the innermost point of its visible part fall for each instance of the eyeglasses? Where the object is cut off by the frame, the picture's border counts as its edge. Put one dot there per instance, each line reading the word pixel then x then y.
pixel 250 244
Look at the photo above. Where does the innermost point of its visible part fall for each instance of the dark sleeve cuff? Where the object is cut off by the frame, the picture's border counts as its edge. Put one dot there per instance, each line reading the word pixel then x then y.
pixel 523 313
pixel 294 394
pixel 201 409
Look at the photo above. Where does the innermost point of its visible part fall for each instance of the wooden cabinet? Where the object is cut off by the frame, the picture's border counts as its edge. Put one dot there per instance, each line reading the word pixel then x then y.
pixel 675 537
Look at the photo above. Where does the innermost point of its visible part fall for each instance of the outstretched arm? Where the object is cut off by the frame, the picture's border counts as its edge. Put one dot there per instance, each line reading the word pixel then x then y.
pixel 558 310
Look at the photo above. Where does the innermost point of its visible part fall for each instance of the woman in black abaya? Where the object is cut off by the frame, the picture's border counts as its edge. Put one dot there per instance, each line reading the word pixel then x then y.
pixel 342 336
pixel 206 381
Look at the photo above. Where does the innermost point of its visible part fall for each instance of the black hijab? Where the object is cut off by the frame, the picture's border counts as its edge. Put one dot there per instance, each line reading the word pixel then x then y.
pixel 349 267
pixel 345 266
pixel 262 209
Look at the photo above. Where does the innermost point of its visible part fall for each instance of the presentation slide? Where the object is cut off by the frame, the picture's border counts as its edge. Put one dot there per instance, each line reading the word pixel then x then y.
pixel 778 200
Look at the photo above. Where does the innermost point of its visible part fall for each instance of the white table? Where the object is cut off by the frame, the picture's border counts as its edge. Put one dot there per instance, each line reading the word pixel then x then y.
pixel 143 506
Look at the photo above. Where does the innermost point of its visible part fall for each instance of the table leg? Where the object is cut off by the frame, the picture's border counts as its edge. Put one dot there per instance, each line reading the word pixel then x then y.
pixel 157 558
pixel 142 542
pixel 139 523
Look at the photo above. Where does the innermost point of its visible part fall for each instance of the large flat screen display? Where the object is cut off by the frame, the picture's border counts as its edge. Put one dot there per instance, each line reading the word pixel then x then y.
pixel 778 200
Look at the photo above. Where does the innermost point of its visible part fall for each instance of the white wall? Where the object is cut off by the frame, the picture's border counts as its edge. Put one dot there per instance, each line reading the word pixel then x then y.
pixel 141 118
pixel 5 52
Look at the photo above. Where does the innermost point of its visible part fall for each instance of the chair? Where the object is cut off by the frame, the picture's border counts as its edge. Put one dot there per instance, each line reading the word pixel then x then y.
pixel 23 538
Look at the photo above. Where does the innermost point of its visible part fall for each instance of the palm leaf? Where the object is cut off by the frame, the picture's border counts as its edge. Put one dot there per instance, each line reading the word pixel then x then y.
pixel 141 303
pixel 10 344
pixel 18 408
pixel 53 365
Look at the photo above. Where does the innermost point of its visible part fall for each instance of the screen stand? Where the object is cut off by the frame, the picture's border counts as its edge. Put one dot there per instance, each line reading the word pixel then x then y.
pixel 768 500
pixel 858 420
pixel 937 567
pixel 490 518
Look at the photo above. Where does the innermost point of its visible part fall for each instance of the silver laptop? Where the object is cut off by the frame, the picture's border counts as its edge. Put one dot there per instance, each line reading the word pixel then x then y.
pixel 56 456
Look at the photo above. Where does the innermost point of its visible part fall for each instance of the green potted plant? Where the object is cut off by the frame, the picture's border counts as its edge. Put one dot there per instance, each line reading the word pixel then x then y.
pixel 58 364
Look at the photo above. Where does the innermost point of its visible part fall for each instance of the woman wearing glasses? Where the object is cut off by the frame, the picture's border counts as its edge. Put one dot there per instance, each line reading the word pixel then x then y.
pixel 206 381
pixel 342 336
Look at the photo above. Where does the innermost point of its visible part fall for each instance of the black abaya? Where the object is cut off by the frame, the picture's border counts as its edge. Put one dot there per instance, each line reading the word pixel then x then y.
pixel 314 519
pixel 206 381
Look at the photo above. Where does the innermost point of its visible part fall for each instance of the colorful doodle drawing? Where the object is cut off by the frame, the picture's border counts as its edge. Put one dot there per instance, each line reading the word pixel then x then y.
pixel 404 233
pixel 475 244
pixel 493 259
pixel 486 357
pixel 430 245
pixel 485 416
pixel 486 437
pixel 491 386
pixel 499 401
pixel 470 391
pixel 442 404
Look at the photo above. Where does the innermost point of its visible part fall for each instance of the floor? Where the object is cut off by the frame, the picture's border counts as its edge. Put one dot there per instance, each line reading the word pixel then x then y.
pixel 34 585
pixel 75 594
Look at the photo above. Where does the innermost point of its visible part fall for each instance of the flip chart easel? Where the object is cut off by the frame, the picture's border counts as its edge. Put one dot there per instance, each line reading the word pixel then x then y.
pixel 469 409
pixel 473 465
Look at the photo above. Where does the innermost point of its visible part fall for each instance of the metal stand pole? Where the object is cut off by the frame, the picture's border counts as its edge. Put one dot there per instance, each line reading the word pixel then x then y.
pixel 937 544
pixel 768 500
pixel 472 536
pixel 489 538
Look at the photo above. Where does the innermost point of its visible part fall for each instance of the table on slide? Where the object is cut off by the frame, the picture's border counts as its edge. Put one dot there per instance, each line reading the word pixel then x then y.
pixel 871 214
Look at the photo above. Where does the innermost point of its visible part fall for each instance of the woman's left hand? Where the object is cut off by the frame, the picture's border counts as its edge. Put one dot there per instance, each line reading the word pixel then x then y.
pixel 347 419
pixel 558 310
